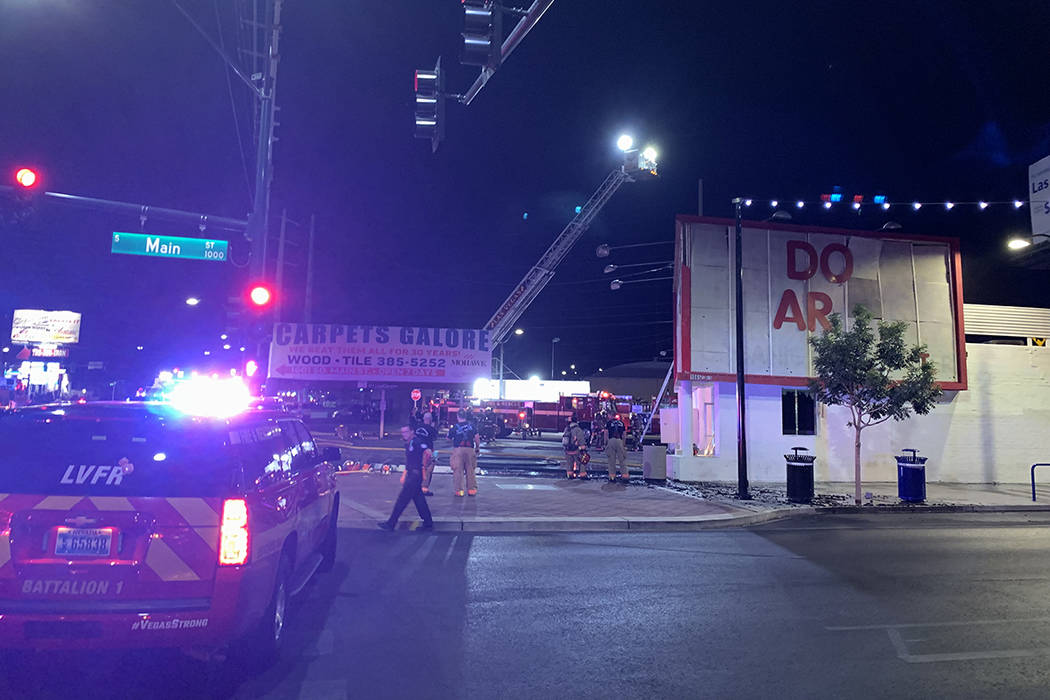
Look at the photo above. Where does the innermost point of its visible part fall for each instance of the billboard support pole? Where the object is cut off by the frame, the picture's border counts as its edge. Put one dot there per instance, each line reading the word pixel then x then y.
pixel 741 403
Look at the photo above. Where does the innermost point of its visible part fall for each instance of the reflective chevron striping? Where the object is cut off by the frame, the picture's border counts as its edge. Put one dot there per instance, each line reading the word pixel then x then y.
pixel 195 511
pixel 111 503
pixel 210 535
pixel 58 503
pixel 166 563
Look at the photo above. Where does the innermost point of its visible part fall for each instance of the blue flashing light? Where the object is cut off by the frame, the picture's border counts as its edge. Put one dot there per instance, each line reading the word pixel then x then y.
pixel 879 199
pixel 525 216
pixel 836 197
pixel 208 396
pixel 578 208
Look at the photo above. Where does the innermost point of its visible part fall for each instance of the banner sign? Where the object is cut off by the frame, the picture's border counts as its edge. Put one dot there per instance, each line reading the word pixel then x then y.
pixel 53 327
pixel 337 352
pixel 795 278
pixel 1039 195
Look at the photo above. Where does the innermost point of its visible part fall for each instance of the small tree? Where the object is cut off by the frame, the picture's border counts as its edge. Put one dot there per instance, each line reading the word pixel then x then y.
pixel 876 378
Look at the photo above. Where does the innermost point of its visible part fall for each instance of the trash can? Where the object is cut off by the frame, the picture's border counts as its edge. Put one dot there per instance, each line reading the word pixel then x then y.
pixel 911 477
pixel 800 476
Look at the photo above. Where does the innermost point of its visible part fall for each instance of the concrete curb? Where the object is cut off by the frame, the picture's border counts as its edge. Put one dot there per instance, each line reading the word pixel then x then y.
pixel 935 508
pixel 686 523
pixel 598 524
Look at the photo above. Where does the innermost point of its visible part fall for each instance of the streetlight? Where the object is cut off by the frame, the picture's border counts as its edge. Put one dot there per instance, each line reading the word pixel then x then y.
pixel 603 250
pixel 1020 242
pixel 519 331
pixel 613 268
pixel 192 301
pixel 553 341
pixel 625 142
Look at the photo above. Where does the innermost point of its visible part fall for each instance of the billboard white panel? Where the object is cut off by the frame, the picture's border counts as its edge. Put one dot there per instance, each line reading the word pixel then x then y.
pixel 339 352
pixel 795 277
pixel 53 327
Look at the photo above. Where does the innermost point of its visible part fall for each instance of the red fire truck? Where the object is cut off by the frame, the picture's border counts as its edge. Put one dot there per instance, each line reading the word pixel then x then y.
pixel 527 419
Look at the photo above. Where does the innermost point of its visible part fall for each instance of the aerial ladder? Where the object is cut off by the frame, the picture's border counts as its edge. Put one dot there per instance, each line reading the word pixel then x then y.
pixel 635 166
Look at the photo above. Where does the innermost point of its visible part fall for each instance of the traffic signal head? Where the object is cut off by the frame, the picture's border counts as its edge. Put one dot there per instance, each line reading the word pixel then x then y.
pixel 26 178
pixel 482 33
pixel 260 296
pixel 430 104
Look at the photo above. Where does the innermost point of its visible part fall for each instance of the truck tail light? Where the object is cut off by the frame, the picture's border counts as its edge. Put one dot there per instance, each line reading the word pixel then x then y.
pixel 233 535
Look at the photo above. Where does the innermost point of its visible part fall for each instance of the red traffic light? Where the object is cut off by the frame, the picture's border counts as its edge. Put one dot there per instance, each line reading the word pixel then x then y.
pixel 260 295
pixel 26 178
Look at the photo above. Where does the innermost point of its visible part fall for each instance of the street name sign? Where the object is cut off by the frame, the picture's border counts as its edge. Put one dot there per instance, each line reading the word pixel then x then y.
pixel 169 246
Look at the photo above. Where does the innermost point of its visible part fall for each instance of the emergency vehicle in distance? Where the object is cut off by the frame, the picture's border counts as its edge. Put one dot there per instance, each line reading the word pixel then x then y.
pixel 141 525
pixel 528 419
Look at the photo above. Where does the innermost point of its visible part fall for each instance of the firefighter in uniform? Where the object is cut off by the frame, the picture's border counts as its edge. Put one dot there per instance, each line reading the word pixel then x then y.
pixel 615 449
pixel 418 455
pixel 465 447
pixel 572 441
pixel 432 433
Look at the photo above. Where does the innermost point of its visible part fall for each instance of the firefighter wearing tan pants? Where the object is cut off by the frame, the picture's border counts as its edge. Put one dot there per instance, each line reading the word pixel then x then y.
pixel 465 447
pixel 615 449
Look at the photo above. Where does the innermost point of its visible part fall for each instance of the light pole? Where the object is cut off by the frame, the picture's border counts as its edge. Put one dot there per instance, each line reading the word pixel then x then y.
pixel 502 381
pixel 553 341
pixel 741 424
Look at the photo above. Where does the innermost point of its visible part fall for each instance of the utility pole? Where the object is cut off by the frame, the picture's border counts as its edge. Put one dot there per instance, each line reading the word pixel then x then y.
pixel 258 221
pixel 279 277
pixel 309 298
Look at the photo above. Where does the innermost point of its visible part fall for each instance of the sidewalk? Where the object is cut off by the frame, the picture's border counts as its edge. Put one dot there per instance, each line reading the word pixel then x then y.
pixel 524 504
pixel 542 504
pixel 837 497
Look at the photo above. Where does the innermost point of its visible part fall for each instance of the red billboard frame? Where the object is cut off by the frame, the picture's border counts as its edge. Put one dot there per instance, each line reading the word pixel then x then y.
pixel 683 287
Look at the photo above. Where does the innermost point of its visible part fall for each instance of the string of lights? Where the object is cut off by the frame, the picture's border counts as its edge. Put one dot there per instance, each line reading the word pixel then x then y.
pixel 857 202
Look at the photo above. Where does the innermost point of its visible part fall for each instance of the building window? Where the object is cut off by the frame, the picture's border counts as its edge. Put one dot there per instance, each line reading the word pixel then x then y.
pixel 798 411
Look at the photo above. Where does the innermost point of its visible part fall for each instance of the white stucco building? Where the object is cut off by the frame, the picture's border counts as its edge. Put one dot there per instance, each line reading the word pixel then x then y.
pixel 991 424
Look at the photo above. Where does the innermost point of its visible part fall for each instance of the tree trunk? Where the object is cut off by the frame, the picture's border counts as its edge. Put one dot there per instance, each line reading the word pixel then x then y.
pixel 856 465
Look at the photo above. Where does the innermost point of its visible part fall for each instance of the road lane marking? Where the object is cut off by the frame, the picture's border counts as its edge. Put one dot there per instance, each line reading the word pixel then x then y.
pixel 956 623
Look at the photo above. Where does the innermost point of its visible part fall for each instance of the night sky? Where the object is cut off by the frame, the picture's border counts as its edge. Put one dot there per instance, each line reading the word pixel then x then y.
pixel 929 100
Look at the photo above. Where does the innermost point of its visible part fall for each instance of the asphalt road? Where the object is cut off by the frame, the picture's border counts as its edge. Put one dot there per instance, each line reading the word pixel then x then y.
pixel 886 606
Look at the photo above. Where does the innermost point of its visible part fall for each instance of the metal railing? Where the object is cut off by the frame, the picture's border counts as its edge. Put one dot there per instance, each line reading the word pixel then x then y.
pixel 1041 464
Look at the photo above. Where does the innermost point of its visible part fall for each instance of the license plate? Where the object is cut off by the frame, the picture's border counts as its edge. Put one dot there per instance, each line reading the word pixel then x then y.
pixel 83 542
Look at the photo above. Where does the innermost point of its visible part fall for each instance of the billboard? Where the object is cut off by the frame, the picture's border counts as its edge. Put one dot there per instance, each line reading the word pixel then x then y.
pixel 1039 196
pixel 794 278
pixel 338 352
pixel 52 327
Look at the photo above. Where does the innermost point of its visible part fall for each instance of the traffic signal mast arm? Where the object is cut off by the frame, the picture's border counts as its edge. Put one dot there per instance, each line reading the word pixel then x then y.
pixel 147 210
pixel 536 279
pixel 523 27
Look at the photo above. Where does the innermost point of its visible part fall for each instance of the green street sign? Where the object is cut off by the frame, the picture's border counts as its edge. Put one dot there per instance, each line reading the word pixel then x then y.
pixel 169 246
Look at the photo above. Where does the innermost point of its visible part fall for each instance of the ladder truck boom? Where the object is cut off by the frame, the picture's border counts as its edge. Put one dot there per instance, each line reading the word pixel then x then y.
pixel 501 323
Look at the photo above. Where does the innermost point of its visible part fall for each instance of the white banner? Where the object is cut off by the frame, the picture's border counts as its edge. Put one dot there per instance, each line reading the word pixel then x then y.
pixel 53 327
pixel 337 352
pixel 1039 195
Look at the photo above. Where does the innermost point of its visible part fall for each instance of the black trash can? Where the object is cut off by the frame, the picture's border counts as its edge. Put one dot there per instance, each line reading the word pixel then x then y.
pixel 911 477
pixel 800 476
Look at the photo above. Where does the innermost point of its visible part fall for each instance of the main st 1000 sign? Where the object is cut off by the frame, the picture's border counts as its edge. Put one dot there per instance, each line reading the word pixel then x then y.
pixel 794 280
